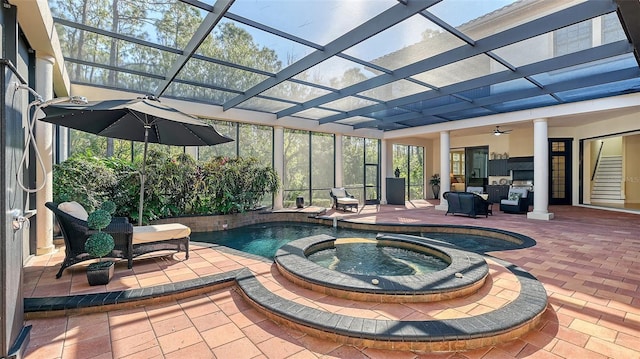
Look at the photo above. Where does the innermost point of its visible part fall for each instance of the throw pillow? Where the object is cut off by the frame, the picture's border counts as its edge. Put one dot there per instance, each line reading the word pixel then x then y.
pixel 513 196
pixel 74 209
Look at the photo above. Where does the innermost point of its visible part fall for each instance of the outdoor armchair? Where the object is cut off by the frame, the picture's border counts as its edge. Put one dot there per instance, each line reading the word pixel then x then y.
pixel 516 202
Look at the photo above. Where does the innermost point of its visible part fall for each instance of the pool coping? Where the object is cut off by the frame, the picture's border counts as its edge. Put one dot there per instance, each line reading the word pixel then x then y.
pixel 44 307
pixel 508 322
pixel 464 275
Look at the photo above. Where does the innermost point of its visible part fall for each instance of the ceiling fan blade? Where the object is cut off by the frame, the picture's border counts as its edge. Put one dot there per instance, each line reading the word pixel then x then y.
pixel 499 132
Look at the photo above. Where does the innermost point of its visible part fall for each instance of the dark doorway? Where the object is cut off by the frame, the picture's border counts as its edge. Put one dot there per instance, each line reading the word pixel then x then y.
pixel 560 171
pixel 476 166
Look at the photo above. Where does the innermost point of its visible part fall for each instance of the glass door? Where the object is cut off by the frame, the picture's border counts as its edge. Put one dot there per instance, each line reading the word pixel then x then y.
pixel 560 171
pixel 476 165
pixel 372 171
pixel 371 184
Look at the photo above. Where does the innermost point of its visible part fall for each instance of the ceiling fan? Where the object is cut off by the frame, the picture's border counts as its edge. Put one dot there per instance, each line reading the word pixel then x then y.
pixel 498 131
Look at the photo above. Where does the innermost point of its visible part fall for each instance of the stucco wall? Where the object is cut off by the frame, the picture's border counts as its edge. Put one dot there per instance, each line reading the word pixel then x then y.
pixel 612 146
pixel 632 168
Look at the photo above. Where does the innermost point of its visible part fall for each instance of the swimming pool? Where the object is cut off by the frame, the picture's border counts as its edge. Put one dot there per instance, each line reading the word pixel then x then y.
pixel 265 239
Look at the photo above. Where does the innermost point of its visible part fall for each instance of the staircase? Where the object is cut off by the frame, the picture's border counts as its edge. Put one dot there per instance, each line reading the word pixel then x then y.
pixel 607 182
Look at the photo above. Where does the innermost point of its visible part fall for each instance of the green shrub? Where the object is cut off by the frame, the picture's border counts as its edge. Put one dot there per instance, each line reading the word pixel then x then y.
pixel 174 186
pixel 83 178
pixel 235 185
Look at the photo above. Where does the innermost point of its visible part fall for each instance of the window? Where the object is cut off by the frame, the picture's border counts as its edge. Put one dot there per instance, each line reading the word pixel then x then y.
pixel 572 38
pixel 456 158
pixel 353 165
pixel 308 167
pixel 611 29
pixel 410 161
pixel 296 179
pixel 229 149
pixel 322 168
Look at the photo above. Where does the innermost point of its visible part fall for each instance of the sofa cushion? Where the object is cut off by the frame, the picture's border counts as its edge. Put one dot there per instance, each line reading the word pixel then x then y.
pixel 74 209
pixel 159 232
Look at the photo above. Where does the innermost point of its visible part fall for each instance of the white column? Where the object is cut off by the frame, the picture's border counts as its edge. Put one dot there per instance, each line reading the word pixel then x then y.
pixel 44 139
pixel 541 171
pixel 338 168
pixel 63 141
pixel 445 169
pixel 384 155
pixel 278 163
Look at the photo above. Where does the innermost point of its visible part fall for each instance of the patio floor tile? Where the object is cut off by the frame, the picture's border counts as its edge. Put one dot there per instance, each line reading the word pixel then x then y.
pixel 586 259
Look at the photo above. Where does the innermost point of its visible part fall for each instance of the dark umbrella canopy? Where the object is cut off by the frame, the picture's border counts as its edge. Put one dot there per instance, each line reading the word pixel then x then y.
pixel 126 120
pixel 142 120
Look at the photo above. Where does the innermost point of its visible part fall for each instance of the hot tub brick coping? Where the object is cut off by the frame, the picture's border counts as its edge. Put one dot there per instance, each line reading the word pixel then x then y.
pixel 511 316
pixel 293 258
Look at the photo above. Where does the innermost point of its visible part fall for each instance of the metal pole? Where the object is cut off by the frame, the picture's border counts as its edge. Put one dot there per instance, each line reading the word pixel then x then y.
pixel 142 176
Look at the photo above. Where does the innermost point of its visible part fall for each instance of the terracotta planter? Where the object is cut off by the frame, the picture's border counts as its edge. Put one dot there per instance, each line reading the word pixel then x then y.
pixel 100 273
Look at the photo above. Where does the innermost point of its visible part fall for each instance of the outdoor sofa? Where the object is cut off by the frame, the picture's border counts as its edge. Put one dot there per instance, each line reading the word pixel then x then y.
pixel 467 203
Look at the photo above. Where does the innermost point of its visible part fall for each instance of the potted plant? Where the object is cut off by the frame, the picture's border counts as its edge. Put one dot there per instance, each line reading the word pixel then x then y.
pixel 99 244
pixel 435 185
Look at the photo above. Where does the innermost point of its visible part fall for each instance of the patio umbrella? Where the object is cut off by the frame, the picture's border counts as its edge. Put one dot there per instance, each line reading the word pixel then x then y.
pixel 142 120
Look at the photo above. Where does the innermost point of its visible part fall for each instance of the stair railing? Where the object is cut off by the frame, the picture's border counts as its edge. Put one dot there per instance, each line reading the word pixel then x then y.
pixel 595 168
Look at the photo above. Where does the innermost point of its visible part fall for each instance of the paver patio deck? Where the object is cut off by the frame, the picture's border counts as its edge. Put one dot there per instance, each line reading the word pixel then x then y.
pixel 587 259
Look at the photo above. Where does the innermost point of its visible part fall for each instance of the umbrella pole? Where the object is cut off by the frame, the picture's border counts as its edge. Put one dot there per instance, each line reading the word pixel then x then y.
pixel 142 177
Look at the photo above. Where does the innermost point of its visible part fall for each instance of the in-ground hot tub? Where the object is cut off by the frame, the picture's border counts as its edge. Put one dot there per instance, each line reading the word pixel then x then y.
pixel 464 274
pixel 367 257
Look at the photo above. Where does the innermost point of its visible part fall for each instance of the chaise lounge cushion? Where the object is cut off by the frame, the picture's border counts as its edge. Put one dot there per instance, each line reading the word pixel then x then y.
pixel 74 209
pixel 348 201
pixel 159 232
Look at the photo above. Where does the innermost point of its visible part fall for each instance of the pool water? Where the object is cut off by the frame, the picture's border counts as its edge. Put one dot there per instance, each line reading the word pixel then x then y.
pixel 473 243
pixel 265 239
pixel 369 259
